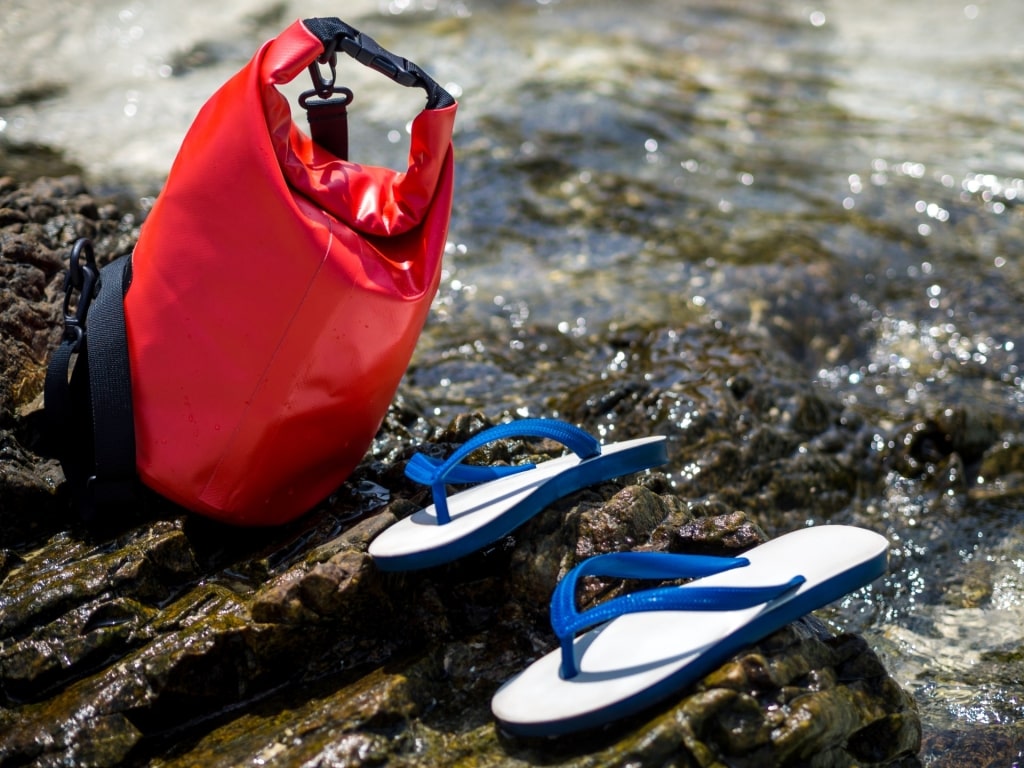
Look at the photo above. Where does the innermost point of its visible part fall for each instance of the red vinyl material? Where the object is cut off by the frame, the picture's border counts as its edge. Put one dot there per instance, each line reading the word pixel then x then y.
pixel 277 295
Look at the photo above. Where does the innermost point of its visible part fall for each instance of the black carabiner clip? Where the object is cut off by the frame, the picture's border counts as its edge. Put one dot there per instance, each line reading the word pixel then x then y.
pixel 85 278
pixel 325 88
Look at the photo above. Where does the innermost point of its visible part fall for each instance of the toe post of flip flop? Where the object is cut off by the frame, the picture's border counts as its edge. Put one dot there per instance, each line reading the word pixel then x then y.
pixel 632 652
pixel 505 497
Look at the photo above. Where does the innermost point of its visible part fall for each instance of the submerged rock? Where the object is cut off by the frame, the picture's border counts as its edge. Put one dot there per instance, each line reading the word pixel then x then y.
pixel 167 640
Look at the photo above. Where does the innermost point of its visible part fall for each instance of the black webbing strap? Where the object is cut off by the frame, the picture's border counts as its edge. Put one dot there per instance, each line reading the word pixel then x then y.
pixel 89 417
pixel 336 34
pixel 110 389
pixel 57 397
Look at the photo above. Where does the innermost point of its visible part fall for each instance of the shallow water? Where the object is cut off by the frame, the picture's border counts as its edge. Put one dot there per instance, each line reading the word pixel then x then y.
pixel 842 179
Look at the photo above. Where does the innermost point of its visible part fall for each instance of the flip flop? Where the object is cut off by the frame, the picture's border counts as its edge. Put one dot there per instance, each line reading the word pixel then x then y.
pixel 506 497
pixel 653 643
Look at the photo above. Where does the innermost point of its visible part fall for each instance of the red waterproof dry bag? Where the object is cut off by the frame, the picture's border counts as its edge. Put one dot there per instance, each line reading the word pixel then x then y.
pixel 277 291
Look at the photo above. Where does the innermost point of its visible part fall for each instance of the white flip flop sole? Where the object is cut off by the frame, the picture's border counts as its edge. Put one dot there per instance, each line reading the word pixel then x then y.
pixel 638 659
pixel 484 513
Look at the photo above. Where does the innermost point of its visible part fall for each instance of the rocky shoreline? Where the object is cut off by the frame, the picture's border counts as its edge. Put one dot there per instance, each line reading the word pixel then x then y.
pixel 168 640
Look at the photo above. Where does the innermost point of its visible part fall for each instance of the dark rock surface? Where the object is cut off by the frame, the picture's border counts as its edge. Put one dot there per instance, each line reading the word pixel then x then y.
pixel 167 640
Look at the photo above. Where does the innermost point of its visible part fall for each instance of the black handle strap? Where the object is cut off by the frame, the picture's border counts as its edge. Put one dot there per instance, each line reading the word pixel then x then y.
pixel 337 35
pixel 328 119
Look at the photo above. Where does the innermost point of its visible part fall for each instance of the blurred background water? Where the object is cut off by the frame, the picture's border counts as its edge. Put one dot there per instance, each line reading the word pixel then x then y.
pixel 844 179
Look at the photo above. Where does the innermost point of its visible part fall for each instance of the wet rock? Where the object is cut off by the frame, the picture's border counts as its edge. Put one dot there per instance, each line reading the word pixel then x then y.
pixel 332 724
pixel 624 522
pixel 344 588
pixel 725 535
pixel 73 644
pixel 31 488
pixel 205 658
pixel 814 414
pixel 1000 474
pixel 961 432
pixel 990 745
pixel 826 695
pixel 969 432
pixel 462 427
pixel 150 563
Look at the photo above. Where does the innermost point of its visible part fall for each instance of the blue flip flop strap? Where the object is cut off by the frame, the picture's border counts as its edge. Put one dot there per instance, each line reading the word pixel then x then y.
pixel 567 621
pixel 437 475
pixel 422 468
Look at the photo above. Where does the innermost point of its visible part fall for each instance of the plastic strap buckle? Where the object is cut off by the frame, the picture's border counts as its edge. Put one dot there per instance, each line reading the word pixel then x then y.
pixel 370 54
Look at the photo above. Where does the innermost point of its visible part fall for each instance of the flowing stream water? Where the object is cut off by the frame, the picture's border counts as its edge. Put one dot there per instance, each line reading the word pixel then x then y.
pixel 844 177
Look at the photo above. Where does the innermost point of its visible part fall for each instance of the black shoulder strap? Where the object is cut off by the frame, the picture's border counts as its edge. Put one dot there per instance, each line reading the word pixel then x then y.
pixel 90 417
pixel 110 388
